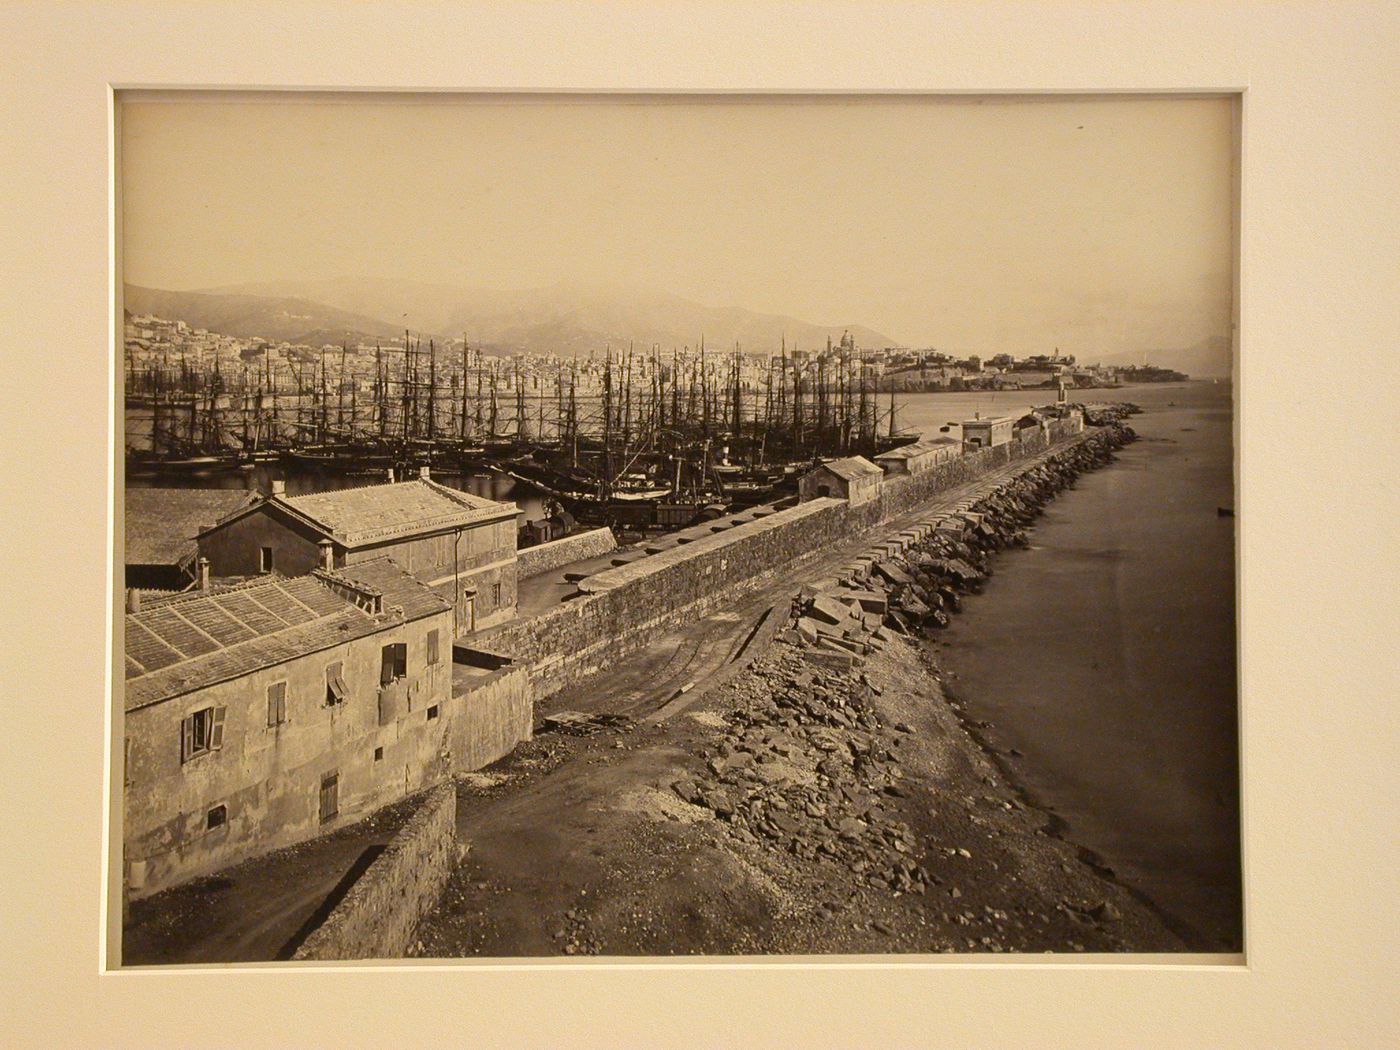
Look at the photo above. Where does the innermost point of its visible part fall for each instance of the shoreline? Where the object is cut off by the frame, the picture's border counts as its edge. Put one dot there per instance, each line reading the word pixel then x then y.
pixel 1055 825
pixel 1004 762
pixel 828 800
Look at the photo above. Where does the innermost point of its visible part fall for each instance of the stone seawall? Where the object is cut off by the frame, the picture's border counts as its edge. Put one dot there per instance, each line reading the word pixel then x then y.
pixel 531 561
pixel 622 609
pixel 377 918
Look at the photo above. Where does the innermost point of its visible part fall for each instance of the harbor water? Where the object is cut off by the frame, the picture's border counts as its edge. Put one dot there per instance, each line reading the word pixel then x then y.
pixel 1105 655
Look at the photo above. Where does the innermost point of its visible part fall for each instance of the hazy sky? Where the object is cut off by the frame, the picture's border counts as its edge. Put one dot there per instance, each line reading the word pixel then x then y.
pixel 1095 226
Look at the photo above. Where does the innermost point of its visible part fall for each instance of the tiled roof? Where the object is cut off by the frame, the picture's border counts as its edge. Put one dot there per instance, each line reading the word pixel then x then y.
pixel 186 644
pixel 919 448
pixel 397 587
pixel 161 524
pixel 363 515
pixel 852 467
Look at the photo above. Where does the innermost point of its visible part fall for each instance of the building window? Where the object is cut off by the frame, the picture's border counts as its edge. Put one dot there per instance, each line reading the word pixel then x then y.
pixel 264 559
pixel 202 731
pixel 496 594
pixel 335 685
pixel 330 795
pixel 432 712
pixel 216 818
pixel 432 646
pixel 393 662
pixel 276 703
pixel 379 754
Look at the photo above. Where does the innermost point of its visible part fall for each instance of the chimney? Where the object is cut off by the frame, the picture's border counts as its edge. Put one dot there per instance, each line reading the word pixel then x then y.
pixel 133 600
pixel 424 473
pixel 327 555
pixel 204 575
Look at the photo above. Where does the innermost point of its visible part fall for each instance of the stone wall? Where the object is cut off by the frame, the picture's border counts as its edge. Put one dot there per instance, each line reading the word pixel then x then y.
pixel 377 918
pixel 496 713
pixel 531 561
pixel 623 609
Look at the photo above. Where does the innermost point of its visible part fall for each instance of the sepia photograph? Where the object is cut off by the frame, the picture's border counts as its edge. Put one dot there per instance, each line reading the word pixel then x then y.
pixel 848 524
pixel 656 526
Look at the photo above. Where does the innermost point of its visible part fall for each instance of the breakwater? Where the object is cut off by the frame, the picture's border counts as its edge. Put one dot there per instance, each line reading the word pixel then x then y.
pixel 924 572
pixel 619 610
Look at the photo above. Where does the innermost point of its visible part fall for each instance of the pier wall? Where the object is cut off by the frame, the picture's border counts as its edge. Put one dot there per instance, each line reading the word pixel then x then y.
pixel 494 715
pixel 622 609
pixel 379 914
pixel 531 561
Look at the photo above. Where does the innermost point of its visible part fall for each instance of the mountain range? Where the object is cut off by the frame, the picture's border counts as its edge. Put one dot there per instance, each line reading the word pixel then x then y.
pixel 565 319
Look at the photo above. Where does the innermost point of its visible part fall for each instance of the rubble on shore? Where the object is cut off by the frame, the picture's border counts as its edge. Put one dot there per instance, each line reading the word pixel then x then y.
pixel 922 585
pixel 810 767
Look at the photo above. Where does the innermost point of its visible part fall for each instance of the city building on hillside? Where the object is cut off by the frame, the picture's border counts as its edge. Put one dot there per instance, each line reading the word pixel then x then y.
pixel 854 479
pixel 268 712
pixel 460 545
pixel 161 530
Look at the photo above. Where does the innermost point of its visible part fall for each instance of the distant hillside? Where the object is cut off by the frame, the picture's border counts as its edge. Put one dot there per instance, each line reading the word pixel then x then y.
pixel 277 318
pixel 567 319
pixel 1208 358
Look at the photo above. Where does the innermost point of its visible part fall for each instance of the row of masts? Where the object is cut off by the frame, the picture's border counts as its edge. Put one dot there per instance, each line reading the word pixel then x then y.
pixel 630 404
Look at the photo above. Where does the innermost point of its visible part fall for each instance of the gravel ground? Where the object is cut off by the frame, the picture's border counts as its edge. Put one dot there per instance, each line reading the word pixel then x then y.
pixel 806 812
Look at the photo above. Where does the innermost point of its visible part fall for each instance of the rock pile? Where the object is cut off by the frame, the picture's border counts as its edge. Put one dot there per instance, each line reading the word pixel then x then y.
pixel 922 585
pixel 1107 413
pixel 806 766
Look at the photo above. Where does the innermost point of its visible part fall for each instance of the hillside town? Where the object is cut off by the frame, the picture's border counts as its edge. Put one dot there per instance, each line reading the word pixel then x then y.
pixel 172 348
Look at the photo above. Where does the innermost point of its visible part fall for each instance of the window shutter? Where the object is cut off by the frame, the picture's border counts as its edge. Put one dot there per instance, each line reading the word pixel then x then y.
pixel 335 685
pixel 386 667
pixel 186 739
pixel 216 730
pixel 432 647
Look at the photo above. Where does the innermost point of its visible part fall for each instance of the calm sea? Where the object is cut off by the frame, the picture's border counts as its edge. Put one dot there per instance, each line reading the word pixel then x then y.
pixel 1105 654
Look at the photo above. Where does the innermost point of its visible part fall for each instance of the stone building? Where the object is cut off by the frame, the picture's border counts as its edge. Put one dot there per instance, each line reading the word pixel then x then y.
pixel 854 479
pixel 278 709
pixel 161 530
pixel 921 456
pixel 460 545
pixel 987 433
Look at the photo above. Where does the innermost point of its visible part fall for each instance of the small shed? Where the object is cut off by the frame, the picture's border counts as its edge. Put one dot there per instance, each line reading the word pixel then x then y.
pixel 922 455
pixel 989 432
pixel 854 479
